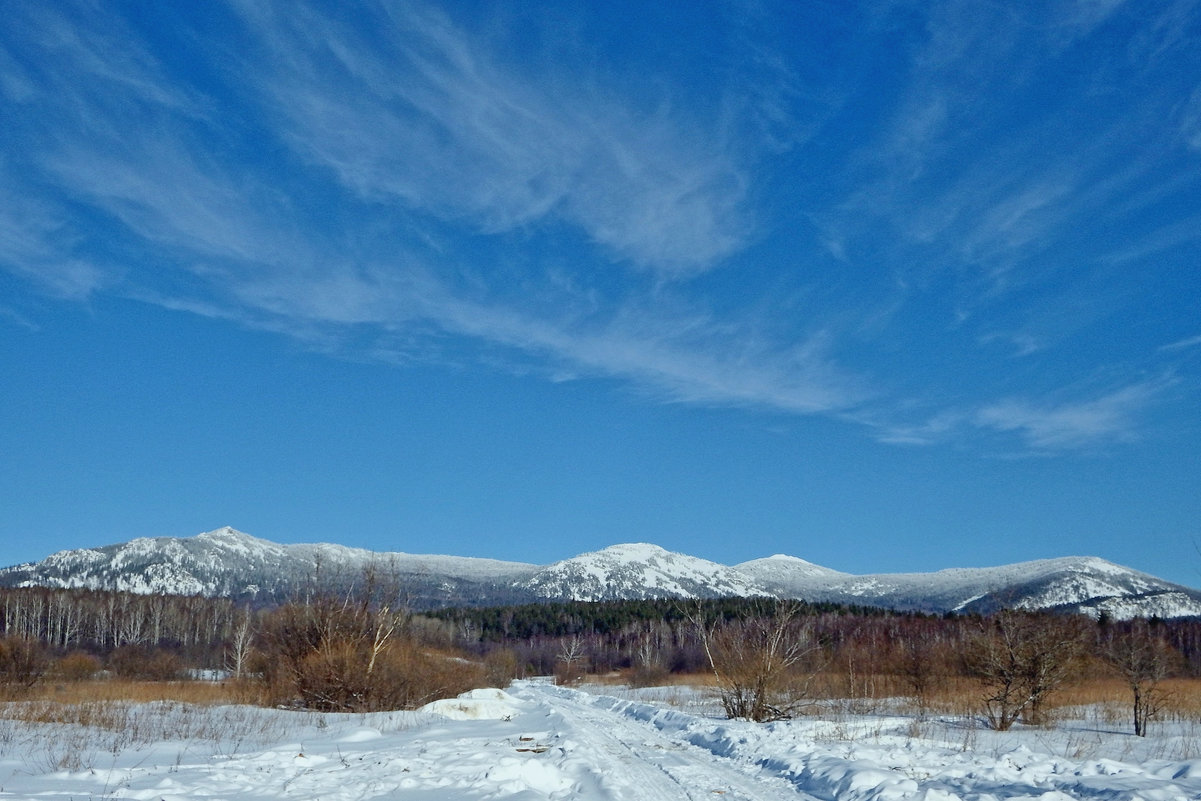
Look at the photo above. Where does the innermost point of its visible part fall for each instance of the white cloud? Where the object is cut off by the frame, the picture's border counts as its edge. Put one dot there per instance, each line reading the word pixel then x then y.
pixel 1073 425
pixel 1168 237
pixel 1189 342
pixel 964 179
pixel 1190 123
pixel 14 317
pixel 1023 344
pixel 1085 15
pixel 36 244
pixel 248 260
pixel 936 429
pixel 1044 426
pixel 426 115
pixel 423 130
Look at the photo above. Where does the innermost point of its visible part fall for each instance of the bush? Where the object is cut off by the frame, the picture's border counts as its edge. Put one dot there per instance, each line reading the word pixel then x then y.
pixel 501 667
pixel 22 662
pixel 649 676
pixel 334 655
pixel 145 664
pixel 77 666
pixel 757 661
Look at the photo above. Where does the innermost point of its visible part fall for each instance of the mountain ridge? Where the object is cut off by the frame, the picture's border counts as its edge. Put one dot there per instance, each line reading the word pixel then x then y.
pixel 228 562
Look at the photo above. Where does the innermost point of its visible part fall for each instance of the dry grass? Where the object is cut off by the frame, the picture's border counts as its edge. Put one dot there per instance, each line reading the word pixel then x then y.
pixel 830 685
pixel 84 726
pixel 962 696
pixel 958 695
pixel 187 692
pixel 1181 700
pixel 622 678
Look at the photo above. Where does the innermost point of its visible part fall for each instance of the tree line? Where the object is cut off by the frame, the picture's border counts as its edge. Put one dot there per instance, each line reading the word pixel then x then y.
pixel 101 621
pixel 363 648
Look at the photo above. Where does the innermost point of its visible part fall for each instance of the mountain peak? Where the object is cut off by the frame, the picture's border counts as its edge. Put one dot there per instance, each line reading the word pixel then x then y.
pixel 225 532
pixel 638 570
pixel 631 550
pixel 228 562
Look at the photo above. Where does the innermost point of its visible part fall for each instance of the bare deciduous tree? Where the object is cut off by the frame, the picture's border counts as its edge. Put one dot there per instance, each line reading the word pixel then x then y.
pixel 241 641
pixel 1143 658
pixel 1022 658
pixel 754 660
pixel 917 666
pixel 569 666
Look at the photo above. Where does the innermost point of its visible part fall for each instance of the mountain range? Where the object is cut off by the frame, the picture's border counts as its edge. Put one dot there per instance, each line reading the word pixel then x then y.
pixel 229 563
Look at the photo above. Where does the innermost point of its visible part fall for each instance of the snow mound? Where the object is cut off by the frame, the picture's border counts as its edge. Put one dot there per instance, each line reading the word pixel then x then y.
pixel 487 704
pixel 362 735
pixel 512 776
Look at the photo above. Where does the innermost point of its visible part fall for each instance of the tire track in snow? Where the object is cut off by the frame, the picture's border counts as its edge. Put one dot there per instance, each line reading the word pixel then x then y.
pixel 635 760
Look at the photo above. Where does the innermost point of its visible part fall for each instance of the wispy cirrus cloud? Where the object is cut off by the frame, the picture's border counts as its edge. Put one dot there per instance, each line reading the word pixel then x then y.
pixel 1056 422
pixel 1190 122
pixel 36 243
pixel 973 184
pixel 424 114
pixel 396 186
pixel 1182 344
pixel 14 317
pixel 461 140
pixel 1072 425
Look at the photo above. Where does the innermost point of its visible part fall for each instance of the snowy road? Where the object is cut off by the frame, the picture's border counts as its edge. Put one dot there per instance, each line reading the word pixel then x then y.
pixel 538 741
pixel 633 759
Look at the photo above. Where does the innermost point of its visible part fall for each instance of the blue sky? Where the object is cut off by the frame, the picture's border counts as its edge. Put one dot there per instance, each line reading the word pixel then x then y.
pixel 887 286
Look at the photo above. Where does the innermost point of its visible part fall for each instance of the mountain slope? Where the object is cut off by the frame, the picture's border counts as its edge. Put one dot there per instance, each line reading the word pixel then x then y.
pixel 638 571
pixel 229 563
pixel 1084 584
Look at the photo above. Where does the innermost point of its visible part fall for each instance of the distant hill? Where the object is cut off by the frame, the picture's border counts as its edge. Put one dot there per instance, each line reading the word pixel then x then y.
pixel 228 563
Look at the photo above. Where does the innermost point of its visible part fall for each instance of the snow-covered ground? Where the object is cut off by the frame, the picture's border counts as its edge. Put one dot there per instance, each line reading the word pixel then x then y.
pixel 539 741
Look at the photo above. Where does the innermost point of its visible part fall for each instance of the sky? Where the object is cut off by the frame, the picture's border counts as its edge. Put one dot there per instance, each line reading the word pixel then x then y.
pixel 889 286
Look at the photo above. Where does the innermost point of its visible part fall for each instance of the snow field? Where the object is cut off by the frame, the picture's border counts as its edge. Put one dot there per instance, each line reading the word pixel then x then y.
pixel 539 741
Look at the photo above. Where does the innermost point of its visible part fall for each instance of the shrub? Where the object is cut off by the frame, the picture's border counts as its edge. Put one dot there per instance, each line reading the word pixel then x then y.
pixel 501 667
pixel 77 666
pixel 146 664
pixel 337 655
pixel 649 676
pixel 22 662
pixel 756 661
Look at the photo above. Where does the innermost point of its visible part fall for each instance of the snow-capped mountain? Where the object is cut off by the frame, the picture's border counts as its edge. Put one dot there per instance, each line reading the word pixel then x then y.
pixel 229 563
pixel 638 571
pixel 1079 584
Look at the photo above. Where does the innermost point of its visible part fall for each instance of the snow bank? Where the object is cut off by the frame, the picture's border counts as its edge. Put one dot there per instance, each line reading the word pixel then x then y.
pixel 489 704
pixel 538 742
